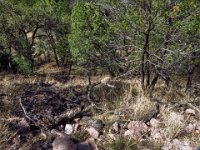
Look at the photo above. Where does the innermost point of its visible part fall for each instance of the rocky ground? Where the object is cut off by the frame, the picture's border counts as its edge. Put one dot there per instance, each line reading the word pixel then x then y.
pixel 57 112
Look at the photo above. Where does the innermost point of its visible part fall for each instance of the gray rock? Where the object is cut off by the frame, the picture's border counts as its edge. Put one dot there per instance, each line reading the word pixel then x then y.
pixel 93 132
pixel 98 124
pixel 63 143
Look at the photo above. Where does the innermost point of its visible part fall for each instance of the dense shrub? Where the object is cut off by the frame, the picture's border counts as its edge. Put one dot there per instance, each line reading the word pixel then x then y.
pixel 21 65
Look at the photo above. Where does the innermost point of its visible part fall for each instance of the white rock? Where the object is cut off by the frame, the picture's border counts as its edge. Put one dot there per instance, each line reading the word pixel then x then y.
pixel 69 129
pixel 93 132
pixel 155 123
pixel 190 112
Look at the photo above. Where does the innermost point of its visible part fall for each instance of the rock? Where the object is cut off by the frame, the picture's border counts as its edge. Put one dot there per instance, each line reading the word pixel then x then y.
pixel 190 111
pixel 136 129
pixel 98 124
pixel 155 123
pixel 183 145
pixel 127 133
pixel 137 126
pixel 85 118
pixel 83 146
pixel 69 129
pixel 198 126
pixel 197 131
pixel 115 128
pixel 190 128
pixel 156 135
pixel 89 144
pixel 43 135
pixel 93 132
pixel 63 143
pixel 176 144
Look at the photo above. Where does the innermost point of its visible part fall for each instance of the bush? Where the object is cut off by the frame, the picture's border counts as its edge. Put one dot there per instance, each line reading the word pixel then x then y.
pixel 21 65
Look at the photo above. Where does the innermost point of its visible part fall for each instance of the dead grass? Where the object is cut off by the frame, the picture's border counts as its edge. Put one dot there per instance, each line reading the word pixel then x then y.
pixel 174 122
pixel 122 143
pixel 126 100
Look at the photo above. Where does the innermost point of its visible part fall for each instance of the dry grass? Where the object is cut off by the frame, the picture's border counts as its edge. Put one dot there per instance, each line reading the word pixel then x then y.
pixel 174 123
pixel 126 100
pixel 122 143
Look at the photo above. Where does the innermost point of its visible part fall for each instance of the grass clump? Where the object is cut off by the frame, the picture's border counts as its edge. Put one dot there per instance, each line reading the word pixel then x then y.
pixel 122 143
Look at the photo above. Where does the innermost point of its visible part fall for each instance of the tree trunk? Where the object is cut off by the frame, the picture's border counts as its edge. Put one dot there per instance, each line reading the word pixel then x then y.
pixel 190 72
pixel 53 45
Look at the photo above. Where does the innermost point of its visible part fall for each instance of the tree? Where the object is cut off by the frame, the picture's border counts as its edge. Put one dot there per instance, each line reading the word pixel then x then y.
pixel 89 38
pixel 26 25
pixel 155 31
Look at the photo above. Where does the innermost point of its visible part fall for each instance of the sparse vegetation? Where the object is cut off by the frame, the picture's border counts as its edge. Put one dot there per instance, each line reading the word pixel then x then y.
pixel 122 143
pixel 125 64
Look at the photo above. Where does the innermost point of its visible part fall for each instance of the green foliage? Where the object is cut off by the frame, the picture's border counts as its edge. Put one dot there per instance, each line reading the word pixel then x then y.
pixel 21 65
pixel 64 52
pixel 106 36
pixel 89 36
pixel 86 23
